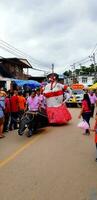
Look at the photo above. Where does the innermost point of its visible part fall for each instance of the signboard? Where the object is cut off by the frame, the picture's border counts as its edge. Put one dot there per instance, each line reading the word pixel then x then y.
pixel 77 86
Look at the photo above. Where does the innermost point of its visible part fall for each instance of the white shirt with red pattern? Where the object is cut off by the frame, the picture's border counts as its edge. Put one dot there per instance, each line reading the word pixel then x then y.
pixel 54 94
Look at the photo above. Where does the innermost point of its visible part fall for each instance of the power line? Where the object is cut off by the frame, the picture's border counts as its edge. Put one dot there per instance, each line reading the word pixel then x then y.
pixel 8 50
pixel 86 59
pixel 94 50
pixel 82 60
pixel 76 64
pixel 15 51
pixel 21 52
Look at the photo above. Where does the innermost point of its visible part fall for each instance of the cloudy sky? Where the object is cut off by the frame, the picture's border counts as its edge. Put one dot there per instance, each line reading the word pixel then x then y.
pixel 55 31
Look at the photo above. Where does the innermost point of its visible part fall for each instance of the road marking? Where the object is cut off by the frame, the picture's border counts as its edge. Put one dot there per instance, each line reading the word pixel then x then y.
pixel 18 151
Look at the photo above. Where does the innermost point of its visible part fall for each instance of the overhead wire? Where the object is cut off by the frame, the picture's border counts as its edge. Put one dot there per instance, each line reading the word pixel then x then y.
pixel 18 54
pixel 4 45
pixel 9 48
pixel 87 59
pixel 21 52
pixel 94 50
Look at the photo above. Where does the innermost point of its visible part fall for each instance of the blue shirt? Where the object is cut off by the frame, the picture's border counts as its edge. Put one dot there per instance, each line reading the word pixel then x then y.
pixel 2 106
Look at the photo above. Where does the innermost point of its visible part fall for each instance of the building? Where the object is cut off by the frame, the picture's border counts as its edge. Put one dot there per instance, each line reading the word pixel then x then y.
pixel 86 80
pixel 14 68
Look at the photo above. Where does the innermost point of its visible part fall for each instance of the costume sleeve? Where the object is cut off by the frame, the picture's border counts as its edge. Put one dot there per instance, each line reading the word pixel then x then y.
pixel 65 87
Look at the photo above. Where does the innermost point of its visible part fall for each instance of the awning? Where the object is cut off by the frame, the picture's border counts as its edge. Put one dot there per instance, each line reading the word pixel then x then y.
pixel 29 83
pixel 93 87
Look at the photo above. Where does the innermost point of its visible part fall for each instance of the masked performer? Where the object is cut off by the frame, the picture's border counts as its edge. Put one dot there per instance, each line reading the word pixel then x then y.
pixel 56 109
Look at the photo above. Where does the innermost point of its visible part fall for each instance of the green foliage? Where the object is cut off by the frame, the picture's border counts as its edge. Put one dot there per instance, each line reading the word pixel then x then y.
pixel 68 73
pixel 82 71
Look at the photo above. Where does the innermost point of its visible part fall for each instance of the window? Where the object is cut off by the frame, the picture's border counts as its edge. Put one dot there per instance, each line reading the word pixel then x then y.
pixel 84 79
pixel 77 92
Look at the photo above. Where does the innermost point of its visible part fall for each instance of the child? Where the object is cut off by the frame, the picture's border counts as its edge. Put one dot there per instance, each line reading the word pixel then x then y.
pixel 95 130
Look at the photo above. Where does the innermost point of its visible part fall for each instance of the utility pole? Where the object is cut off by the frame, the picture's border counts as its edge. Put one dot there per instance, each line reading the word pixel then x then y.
pixel 73 67
pixel 52 68
pixel 94 63
pixel 74 72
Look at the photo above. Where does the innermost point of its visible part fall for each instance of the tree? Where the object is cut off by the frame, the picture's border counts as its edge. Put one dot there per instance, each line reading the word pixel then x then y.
pixel 68 73
pixel 82 71
pixel 77 72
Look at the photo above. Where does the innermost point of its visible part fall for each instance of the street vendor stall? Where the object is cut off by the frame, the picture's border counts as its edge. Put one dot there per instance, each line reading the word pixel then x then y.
pixel 23 83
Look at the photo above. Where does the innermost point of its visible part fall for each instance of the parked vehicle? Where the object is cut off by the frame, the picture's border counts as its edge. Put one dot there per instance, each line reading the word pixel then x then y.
pixel 71 102
pixel 77 95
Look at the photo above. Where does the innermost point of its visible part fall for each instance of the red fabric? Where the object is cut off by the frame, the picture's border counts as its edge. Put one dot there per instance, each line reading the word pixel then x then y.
pixel 95 128
pixel 14 104
pixel 65 87
pixel 58 115
pixel 7 105
pixel 53 94
pixel 85 106
pixel 95 137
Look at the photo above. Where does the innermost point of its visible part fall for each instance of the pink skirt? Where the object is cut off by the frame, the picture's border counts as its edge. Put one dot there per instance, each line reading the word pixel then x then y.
pixel 58 115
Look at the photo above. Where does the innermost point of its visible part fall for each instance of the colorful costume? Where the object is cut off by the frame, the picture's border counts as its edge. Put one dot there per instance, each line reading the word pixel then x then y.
pixel 56 109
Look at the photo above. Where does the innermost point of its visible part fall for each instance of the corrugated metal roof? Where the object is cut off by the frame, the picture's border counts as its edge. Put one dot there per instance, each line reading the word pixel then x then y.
pixel 19 61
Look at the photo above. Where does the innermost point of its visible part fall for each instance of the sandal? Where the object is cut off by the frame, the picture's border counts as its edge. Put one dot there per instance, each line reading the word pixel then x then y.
pixel 2 136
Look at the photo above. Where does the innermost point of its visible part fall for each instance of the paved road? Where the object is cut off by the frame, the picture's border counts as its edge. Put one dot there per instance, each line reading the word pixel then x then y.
pixel 57 164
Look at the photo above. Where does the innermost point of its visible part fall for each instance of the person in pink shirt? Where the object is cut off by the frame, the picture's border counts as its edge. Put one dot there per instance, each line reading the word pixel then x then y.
pixel 93 100
pixel 42 107
pixel 33 102
pixel 42 98
pixel 33 105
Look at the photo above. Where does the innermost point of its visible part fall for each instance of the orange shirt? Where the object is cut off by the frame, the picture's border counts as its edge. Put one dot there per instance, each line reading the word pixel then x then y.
pixel 14 102
pixel 22 102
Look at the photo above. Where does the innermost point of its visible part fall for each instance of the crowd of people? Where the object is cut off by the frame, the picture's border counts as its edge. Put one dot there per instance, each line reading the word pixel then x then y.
pixel 13 105
pixel 50 101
